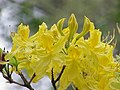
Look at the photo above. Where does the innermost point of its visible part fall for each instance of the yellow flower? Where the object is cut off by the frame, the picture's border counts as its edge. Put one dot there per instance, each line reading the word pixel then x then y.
pixel 89 62
pixel 20 38
pixel 52 58
pixel 23 32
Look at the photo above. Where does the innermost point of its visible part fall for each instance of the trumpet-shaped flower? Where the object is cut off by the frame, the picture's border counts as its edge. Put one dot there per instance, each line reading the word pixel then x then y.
pixel 89 62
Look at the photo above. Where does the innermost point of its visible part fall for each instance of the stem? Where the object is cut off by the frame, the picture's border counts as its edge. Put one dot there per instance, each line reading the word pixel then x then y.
pixel 76 88
pixel 58 78
pixel 53 81
pixel 26 83
pixel 11 80
pixel 23 78
pixel 32 78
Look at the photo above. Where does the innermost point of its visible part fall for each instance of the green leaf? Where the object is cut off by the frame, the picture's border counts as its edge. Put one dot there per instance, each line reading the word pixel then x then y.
pixel 116 85
pixel 13 61
pixel 0 52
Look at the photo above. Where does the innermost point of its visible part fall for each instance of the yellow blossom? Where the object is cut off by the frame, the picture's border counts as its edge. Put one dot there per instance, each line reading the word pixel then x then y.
pixel 89 62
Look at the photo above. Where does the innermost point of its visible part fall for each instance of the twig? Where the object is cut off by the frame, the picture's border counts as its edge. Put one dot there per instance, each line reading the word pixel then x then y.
pixel 26 83
pixel 76 88
pixel 53 81
pixel 32 78
pixel 7 74
pixel 11 80
pixel 58 78
pixel 23 78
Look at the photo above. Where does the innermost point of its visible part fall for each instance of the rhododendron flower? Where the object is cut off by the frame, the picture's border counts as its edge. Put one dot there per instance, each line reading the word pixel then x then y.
pixel 89 62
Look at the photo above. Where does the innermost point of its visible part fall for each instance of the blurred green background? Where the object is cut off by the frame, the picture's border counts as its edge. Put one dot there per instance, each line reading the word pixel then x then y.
pixel 104 13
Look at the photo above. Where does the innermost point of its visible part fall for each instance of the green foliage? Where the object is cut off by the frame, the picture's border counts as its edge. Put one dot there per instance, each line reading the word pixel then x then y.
pixel 13 62
pixel 1 52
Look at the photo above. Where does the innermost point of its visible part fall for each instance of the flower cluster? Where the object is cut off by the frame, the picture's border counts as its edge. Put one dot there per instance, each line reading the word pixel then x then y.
pixel 89 63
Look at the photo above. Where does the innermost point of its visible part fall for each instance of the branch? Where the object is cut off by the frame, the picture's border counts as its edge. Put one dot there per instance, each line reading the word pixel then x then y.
pixel 23 78
pixel 32 78
pixel 26 83
pixel 76 88
pixel 11 80
pixel 7 75
pixel 53 81
pixel 58 78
